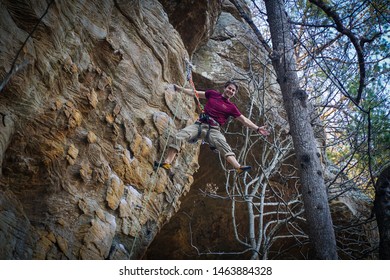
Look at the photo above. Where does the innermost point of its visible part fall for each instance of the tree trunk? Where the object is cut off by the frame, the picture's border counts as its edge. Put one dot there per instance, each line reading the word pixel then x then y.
pixel 315 198
pixel 382 206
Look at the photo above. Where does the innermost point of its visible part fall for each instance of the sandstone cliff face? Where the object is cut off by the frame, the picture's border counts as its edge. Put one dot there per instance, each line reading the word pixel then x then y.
pixel 82 121
pixel 85 110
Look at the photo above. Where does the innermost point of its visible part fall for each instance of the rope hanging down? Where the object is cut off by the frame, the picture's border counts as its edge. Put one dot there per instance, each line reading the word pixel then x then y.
pixel 189 67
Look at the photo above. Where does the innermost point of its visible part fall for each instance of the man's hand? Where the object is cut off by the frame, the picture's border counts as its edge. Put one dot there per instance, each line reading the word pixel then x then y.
pixel 188 91
pixel 177 88
pixel 263 130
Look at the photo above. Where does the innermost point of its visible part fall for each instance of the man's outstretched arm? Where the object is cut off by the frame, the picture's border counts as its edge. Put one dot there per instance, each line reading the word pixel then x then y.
pixel 189 91
pixel 248 123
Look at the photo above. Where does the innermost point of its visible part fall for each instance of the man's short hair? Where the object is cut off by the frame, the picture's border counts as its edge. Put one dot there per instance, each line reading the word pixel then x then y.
pixel 230 82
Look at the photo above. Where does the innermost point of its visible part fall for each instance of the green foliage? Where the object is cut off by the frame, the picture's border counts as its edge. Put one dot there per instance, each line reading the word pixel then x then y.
pixel 374 120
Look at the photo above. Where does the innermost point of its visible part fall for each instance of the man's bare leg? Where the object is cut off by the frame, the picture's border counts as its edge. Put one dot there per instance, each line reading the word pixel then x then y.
pixel 166 164
pixel 233 161
pixel 171 154
pixel 240 169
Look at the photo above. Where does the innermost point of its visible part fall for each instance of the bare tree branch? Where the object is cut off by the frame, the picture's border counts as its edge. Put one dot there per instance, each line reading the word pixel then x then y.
pixel 253 26
pixel 353 38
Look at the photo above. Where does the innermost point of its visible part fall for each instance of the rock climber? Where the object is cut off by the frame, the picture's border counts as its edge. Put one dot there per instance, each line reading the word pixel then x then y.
pixel 216 112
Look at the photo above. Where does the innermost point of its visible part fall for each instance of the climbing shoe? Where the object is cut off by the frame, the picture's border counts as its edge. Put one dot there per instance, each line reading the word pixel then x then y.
pixel 242 169
pixel 166 166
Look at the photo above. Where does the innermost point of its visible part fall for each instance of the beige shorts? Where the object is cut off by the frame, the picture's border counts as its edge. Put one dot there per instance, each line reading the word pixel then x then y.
pixel 216 138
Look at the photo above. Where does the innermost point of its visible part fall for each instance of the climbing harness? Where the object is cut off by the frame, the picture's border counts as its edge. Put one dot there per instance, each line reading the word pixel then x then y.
pixel 205 119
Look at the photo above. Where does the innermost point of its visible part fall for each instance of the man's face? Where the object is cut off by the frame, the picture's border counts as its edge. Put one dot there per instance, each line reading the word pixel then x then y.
pixel 229 91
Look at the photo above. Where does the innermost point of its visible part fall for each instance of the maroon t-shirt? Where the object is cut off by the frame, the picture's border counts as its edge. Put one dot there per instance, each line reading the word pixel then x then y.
pixel 219 107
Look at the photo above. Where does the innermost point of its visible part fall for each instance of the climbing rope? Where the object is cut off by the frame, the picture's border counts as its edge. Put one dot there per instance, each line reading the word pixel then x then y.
pixel 15 68
pixel 189 67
